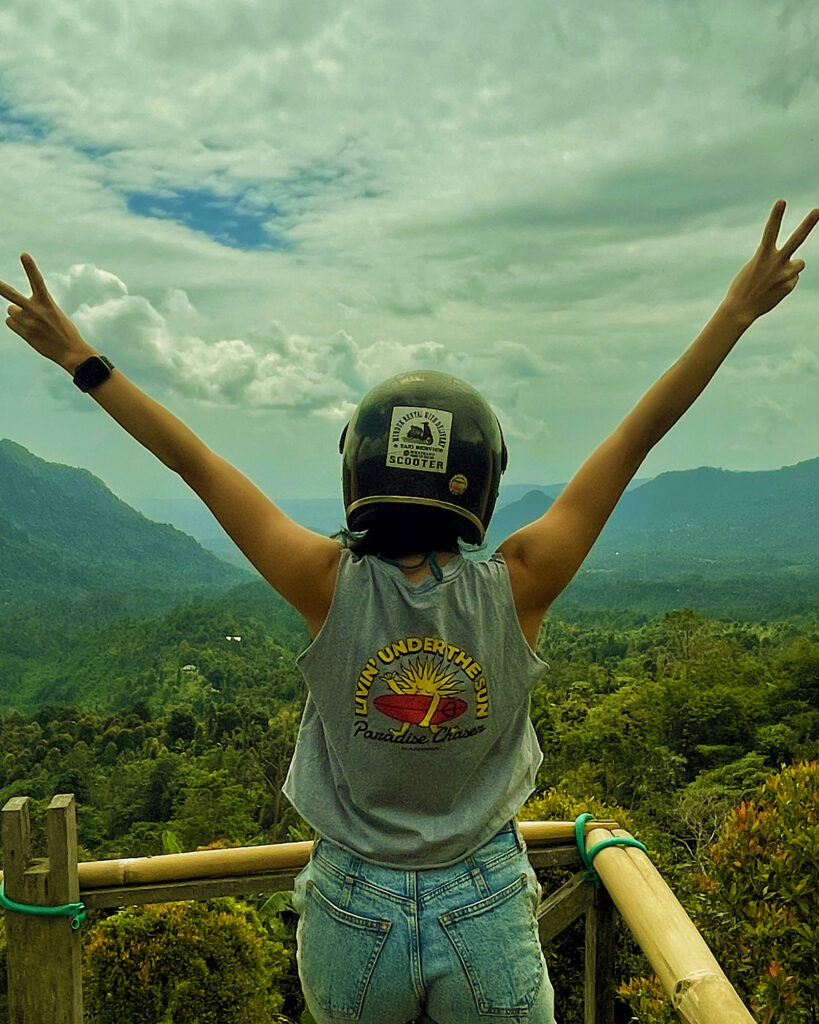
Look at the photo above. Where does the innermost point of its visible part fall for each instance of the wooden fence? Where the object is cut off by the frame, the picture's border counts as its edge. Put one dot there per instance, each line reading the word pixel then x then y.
pixel 44 952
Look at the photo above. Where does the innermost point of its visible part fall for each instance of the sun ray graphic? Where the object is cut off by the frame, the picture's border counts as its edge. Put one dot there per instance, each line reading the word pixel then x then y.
pixel 424 675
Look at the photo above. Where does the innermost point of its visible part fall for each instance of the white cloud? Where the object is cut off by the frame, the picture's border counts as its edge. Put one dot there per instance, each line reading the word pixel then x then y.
pixel 546 200
pixel 273 368
pixel 796 364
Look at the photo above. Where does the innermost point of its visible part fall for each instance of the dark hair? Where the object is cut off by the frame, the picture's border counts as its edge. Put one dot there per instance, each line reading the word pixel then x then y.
pixel 395 530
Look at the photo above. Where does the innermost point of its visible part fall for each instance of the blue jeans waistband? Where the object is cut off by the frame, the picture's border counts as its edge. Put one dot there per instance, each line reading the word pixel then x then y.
pixel 506 842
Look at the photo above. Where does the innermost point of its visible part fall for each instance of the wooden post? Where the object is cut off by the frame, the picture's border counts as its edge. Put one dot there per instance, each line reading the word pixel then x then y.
pixel 44 953
pixel 600 949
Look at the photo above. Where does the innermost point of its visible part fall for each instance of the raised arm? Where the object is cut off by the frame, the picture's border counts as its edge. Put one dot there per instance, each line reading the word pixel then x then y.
pixel 299 564
pixel 544 556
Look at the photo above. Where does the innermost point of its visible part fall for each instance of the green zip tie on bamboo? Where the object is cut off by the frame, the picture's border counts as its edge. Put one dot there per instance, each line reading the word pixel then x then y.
pixel 76 911
pixel 587 858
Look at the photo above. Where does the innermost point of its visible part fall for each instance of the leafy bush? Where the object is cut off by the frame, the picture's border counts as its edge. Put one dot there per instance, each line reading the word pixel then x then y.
pixel 647 1001
pixel 760 906
pixel 183 963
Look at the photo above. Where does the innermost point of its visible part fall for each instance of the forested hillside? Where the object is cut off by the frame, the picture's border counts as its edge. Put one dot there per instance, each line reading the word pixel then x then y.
pixel 666 724
pixel 64 535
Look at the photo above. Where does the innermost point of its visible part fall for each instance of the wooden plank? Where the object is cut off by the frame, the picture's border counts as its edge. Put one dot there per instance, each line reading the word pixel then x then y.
pixel 241 885
pixel 558 911
pixel 16 842
pixel 61 830
pixel 194 889
pixel 600 949
pixel 555 857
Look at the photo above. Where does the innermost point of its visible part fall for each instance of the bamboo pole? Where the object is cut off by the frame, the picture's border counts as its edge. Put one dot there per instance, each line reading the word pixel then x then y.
pixel 250 860
pixel 686 967
pixel 172 867
pixel 550 833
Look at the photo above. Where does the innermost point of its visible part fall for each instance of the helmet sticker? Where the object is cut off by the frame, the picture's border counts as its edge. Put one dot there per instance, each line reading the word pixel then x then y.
pixel 419 439
pixel 458 484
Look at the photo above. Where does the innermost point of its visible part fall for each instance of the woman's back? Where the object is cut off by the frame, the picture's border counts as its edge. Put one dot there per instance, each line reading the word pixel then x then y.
pixel 416 744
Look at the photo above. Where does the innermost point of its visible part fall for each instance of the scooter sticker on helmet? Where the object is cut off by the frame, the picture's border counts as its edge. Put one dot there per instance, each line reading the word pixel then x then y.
pixel 419 439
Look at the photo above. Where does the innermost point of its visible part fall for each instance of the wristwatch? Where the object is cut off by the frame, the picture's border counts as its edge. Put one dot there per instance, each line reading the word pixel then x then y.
pixel 90 373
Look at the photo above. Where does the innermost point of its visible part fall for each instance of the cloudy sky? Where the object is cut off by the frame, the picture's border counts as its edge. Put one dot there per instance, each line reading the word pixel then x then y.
pixel 258 209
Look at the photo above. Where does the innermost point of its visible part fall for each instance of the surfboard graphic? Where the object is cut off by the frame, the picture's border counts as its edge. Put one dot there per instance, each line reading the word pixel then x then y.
pixel 411 707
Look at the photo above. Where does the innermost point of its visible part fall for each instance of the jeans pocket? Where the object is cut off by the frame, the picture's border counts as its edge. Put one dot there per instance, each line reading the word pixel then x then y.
pixel 497 942
pixel 337 953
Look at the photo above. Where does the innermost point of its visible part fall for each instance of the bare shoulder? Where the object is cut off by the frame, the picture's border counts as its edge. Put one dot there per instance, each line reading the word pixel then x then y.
pixel 544 555
pixel 527 590
pixel 303 567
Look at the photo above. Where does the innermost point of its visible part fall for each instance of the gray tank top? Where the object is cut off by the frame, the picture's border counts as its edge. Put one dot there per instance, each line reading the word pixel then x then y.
pixel 416 746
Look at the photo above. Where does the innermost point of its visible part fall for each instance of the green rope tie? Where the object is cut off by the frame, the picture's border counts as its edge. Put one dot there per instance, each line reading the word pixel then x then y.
pixel 590 874
pixel 76 911
pixel 434 568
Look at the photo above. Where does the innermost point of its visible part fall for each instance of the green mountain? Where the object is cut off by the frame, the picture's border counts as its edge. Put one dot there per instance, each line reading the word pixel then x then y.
pixel 64 537
pixel 725 543
pixel 711 520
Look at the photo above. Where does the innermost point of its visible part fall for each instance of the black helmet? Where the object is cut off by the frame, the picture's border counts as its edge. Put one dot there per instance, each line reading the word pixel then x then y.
pixel 423 438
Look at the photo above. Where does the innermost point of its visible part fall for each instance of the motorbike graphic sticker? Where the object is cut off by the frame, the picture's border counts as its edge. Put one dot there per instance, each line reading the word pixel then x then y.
pixel 419 439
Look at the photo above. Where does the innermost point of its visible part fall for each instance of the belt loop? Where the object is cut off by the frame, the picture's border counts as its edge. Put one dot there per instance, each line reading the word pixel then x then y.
pixel 518 836
pixel 347 890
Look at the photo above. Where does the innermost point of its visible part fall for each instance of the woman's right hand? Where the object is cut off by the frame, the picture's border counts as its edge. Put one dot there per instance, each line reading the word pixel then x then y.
pixel 40 321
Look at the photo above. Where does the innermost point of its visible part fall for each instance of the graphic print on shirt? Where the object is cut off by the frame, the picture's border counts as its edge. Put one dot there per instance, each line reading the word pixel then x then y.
pixel 425 685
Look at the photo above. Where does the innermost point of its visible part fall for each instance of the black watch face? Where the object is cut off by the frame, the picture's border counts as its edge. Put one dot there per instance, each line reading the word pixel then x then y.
pixel 91 373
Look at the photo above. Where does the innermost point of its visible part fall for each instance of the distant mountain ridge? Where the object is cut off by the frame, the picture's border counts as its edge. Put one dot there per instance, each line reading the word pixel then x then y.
pixel 63 533
pixel 749 520
pixel 66 539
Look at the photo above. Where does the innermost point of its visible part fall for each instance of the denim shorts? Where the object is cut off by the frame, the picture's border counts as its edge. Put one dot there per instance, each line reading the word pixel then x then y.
pixel 452 945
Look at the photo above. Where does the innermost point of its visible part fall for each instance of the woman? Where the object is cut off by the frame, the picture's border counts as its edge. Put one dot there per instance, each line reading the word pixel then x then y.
pixel 415 750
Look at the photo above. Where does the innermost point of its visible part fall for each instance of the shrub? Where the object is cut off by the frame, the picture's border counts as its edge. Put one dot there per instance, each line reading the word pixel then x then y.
pixel 183 963
pixel 760 902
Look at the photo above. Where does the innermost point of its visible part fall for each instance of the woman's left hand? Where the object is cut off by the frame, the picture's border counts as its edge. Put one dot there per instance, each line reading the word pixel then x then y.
pixel 771 274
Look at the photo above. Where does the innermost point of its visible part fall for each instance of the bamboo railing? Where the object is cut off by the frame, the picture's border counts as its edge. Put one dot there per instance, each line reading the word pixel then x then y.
pixel 44 953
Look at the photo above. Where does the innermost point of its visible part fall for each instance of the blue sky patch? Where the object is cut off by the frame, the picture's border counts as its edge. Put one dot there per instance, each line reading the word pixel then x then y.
pixel 19 128
pixel 229 220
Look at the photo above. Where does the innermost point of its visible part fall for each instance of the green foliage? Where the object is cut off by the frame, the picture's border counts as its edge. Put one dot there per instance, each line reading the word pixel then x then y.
pixel 183 963
pixel 665 726
pixel 111 667
pixel 697 812
pixel 760 905
pixel 647 1000
pixel 757 904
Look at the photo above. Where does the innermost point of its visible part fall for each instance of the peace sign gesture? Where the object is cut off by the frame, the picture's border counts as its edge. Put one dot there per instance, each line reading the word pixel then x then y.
pixel 41 322
pixel 771 274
